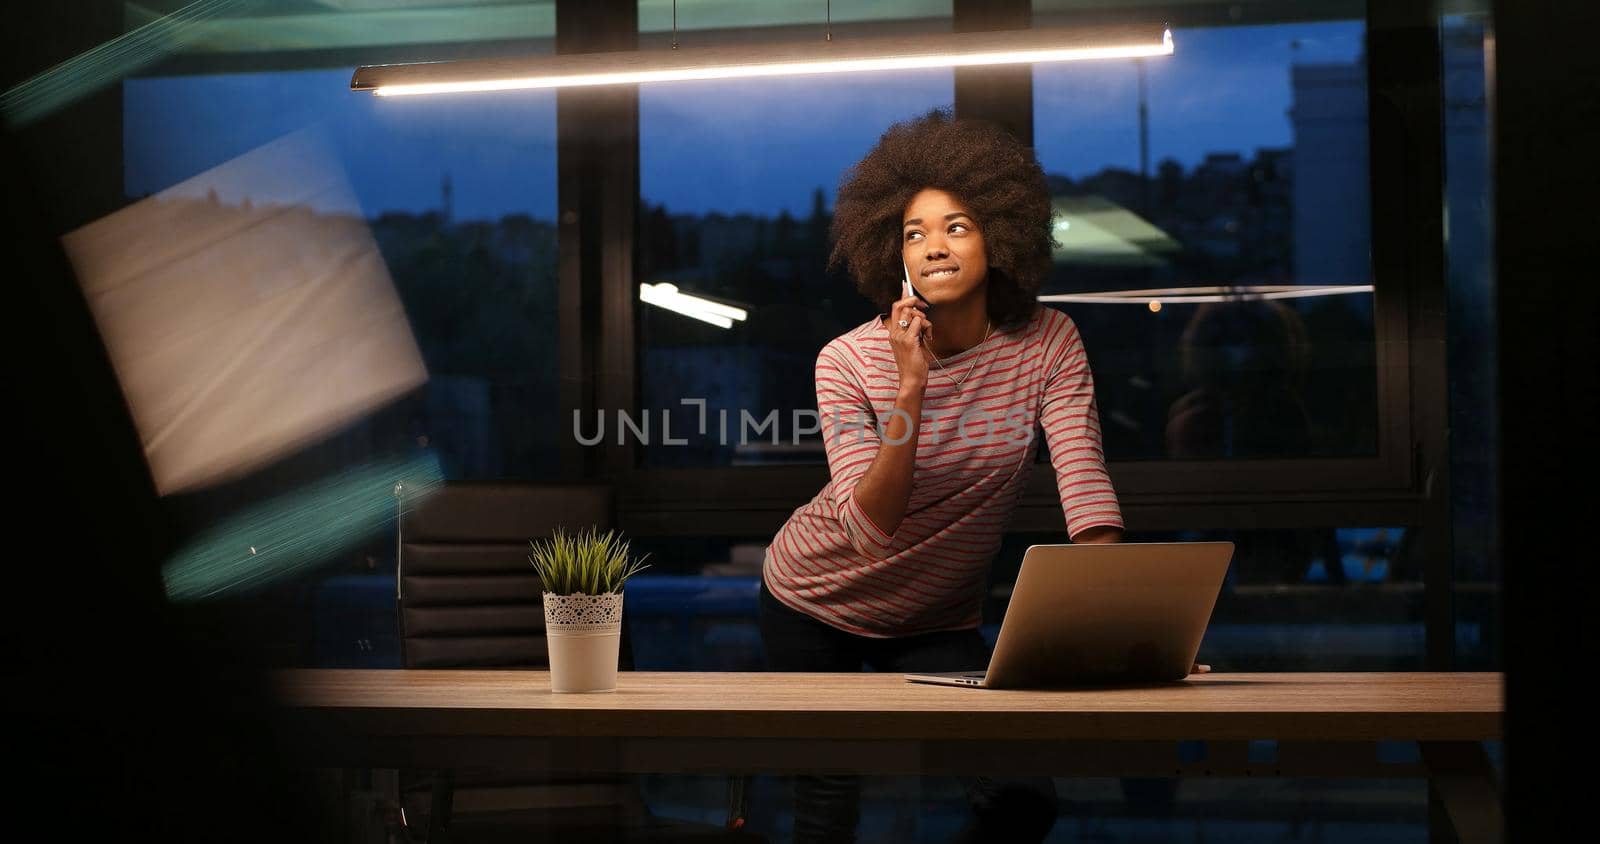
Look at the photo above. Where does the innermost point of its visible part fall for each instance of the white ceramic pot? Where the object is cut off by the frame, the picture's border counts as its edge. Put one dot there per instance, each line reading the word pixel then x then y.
pixel 584 637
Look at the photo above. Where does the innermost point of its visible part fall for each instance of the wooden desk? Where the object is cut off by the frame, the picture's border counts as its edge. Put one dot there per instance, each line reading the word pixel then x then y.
pixel 1325 725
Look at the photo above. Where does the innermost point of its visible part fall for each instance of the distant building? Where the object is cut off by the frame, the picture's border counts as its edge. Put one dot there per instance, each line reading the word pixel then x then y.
pixel 1222 164
pixel 1332 204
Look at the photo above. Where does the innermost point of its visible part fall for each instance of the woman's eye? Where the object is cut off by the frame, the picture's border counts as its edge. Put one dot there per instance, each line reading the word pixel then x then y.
pixel 912 235
pixel 954 226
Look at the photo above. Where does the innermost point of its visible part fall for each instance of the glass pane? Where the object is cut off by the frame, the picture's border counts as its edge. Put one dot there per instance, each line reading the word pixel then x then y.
pixel 695 608
pixel 737 180
pixel 459 195
pixel 331 33
pixel 1473 422
pixel 1213 222
pixel 657 16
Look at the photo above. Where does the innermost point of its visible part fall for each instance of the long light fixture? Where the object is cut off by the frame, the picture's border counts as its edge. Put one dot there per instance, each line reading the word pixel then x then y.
pixel 843 55
pixel 666 295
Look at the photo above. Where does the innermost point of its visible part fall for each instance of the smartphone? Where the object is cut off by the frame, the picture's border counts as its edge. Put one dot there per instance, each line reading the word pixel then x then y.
pixel 912 291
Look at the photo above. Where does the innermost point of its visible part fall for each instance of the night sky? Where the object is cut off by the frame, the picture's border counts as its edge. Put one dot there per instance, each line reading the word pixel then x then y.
pixel 730 146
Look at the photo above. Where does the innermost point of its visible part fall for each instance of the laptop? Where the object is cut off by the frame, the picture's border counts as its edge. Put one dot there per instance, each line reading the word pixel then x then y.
pixel 1097 614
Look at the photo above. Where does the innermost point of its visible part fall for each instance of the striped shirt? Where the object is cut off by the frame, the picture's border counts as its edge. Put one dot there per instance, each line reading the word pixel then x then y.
pixel 976 445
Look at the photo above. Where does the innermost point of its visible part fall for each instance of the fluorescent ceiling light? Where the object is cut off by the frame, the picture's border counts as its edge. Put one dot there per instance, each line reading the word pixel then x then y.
pixel 846 55
pixel 1202 295
pixel 666 295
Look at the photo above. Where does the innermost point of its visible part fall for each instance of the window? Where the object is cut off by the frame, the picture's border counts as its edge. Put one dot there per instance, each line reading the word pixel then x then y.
pixel 737 180
pixel 1235 172
pixel 458 196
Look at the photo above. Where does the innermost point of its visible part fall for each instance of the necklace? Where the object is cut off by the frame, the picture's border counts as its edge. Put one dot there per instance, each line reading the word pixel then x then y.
pixel 986 326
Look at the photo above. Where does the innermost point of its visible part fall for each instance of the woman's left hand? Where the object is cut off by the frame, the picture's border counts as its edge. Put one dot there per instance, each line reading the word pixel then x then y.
pixel 1200 669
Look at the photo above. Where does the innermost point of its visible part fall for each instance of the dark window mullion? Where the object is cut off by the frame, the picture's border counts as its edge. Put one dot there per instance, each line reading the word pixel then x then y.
pixel 597 132
pixel 1406 126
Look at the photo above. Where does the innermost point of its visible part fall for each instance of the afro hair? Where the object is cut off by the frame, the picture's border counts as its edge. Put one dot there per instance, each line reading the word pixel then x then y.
pixel 980 164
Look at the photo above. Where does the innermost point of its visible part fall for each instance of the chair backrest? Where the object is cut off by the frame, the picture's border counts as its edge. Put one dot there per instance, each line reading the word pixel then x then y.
pixel 468 597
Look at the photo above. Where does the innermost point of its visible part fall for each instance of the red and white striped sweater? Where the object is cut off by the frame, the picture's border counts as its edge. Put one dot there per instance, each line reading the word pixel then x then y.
pixel 832 563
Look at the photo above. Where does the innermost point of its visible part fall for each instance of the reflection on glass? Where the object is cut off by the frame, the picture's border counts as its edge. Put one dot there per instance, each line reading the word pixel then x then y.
pixel 459 195
pixel 1246 365
pixel 748 19
pixel 246 311
pixel 1258 138
pixel 1319 599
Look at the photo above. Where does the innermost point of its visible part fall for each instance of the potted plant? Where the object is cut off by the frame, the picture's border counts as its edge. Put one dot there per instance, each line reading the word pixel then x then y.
pixel 582 575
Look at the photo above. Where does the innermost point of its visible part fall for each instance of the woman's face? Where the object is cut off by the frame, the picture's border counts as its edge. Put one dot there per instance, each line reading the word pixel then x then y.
pixel 942 248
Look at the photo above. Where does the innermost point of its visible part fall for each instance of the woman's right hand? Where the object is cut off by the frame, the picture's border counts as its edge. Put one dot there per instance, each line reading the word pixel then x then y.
pixel 910 352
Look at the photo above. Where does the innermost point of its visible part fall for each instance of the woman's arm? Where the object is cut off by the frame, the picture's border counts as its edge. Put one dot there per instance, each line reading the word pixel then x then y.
pixel 1098 535
pixel 1071 424
pixel 871 470
pixel 885 490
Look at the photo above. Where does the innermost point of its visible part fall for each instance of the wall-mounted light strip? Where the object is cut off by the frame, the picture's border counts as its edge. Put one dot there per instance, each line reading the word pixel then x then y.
pixel 958 49
pixel 666 295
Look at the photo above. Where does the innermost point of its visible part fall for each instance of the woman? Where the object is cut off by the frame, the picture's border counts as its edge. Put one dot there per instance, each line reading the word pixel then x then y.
pixel 888 565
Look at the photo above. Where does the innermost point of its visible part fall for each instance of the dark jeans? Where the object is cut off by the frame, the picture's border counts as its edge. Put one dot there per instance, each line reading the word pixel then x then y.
pixel 828 807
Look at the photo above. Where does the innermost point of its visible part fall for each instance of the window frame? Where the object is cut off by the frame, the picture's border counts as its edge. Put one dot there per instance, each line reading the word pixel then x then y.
pixel 1404 484
pixel 1156 494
